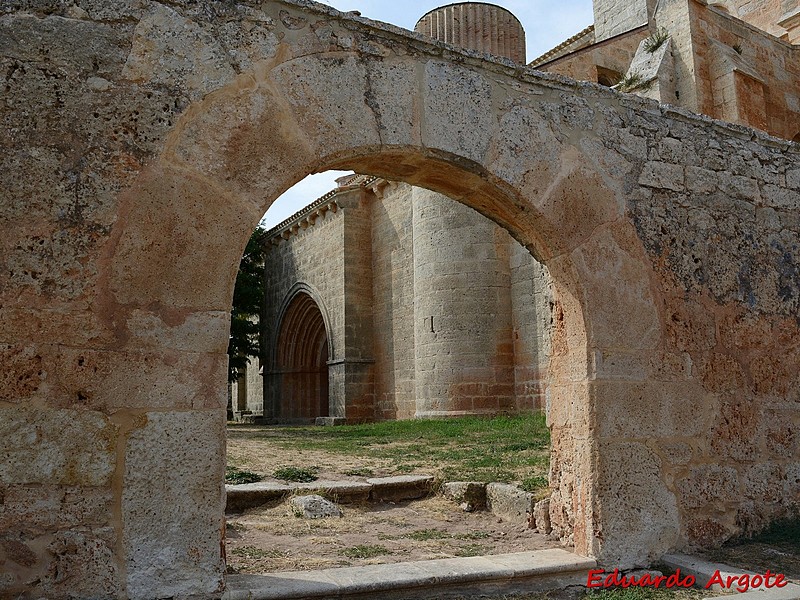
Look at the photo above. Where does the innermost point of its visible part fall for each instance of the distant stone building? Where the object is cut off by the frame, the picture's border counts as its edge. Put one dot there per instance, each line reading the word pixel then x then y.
pixel 387 301
pixel 734 60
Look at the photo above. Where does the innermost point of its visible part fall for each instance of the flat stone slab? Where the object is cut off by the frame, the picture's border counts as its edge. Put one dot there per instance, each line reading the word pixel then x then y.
pixel 250 495
pixel 505 573
pixel 402 487
pixel 703 571
pixel 385 489
pixel 343 492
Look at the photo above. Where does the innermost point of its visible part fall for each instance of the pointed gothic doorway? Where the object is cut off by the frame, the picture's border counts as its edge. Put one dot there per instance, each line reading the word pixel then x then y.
pixel 299 387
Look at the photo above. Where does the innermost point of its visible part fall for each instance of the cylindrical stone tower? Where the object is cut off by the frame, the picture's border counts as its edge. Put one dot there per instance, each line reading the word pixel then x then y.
pixel 464 360
pixel 464 357
pixel 476 26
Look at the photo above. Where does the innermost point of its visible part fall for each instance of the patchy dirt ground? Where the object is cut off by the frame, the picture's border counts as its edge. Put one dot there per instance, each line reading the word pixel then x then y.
pixel 271 538
pixel 263 456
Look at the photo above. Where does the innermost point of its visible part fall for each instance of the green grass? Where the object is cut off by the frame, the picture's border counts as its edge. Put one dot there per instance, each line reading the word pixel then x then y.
pixel 776 548
pixel 360 472
pixel 422 535
pixel 506 449
pixel 472 550
pixel 472 535
pixel 364 551
pixel 299 474
pixel 235 476
pixel 656 40
pixel 535 483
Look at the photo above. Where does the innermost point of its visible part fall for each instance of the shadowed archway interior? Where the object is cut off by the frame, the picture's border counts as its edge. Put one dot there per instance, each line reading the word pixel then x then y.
pixel 301 362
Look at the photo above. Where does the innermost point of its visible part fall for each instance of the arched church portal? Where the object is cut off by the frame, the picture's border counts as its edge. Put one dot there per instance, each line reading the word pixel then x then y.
pixel 301 362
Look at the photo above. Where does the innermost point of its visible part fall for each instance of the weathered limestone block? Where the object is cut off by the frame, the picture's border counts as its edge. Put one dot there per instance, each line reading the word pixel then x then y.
pixel 39 446
pixel 640 504
pixel 399 488
pixel 314 507
pixel 169 49
pixel 250 495
pixel 111 381
pixel 509 502
pixel 663 176
pixel 541 516
pixel 709 485
pixel 469 493
pixel 173 524
pixel 653 411
pixel 345 84
pixel 342 492
pixel 458 110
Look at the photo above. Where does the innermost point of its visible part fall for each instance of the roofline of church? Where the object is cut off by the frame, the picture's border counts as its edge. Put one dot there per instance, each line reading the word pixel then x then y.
pixel 318 206
pixel 545 58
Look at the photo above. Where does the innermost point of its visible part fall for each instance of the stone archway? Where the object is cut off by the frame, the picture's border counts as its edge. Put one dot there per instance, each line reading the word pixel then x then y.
pixel 144 161
pixel 520 161
pixel 301 362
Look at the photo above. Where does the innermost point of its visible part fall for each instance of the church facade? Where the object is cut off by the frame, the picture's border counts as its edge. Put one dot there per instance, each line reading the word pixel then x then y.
pixel 386 301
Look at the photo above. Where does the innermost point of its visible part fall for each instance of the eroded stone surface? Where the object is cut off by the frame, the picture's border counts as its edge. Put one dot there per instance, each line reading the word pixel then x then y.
pixel 672 241
pixel 61 447
pixel 509 502
pixel 173 524
pixel 314 507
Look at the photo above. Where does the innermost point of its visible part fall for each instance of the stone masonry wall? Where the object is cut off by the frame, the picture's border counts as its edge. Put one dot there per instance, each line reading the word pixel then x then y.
pixel 532 319
pixel 764 14
pixel 615 55
pixel 731 276
pixel 613 17
pixel 757 87
pixel 142 142
pixel 462 310
pixel 315 257
pixel 358 306
pixel 393 281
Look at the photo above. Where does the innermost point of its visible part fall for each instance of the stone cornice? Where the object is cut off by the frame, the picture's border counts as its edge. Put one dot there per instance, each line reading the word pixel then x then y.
pixel 553 53
pixel 307 217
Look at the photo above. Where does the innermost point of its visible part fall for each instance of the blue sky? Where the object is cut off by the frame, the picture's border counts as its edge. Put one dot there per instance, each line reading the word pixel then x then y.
pixel 547 23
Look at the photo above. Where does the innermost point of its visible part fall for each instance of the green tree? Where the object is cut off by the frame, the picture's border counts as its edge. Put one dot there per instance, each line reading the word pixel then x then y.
pixel 248 303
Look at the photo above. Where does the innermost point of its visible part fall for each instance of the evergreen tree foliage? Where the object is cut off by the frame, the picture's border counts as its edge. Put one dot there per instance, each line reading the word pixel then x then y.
pixel 248 303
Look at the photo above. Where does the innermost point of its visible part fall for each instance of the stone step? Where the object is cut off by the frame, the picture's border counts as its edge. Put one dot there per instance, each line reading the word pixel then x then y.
pixel 536 571
pixel 378 489
pixel 402 487
pixel 250 495
pixel 703 571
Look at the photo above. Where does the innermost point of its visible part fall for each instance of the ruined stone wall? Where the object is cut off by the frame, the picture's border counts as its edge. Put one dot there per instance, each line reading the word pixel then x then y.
pixel 393 281
pixel 744 76
pixel 615 55
pixel 139 150
pixel 730 274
